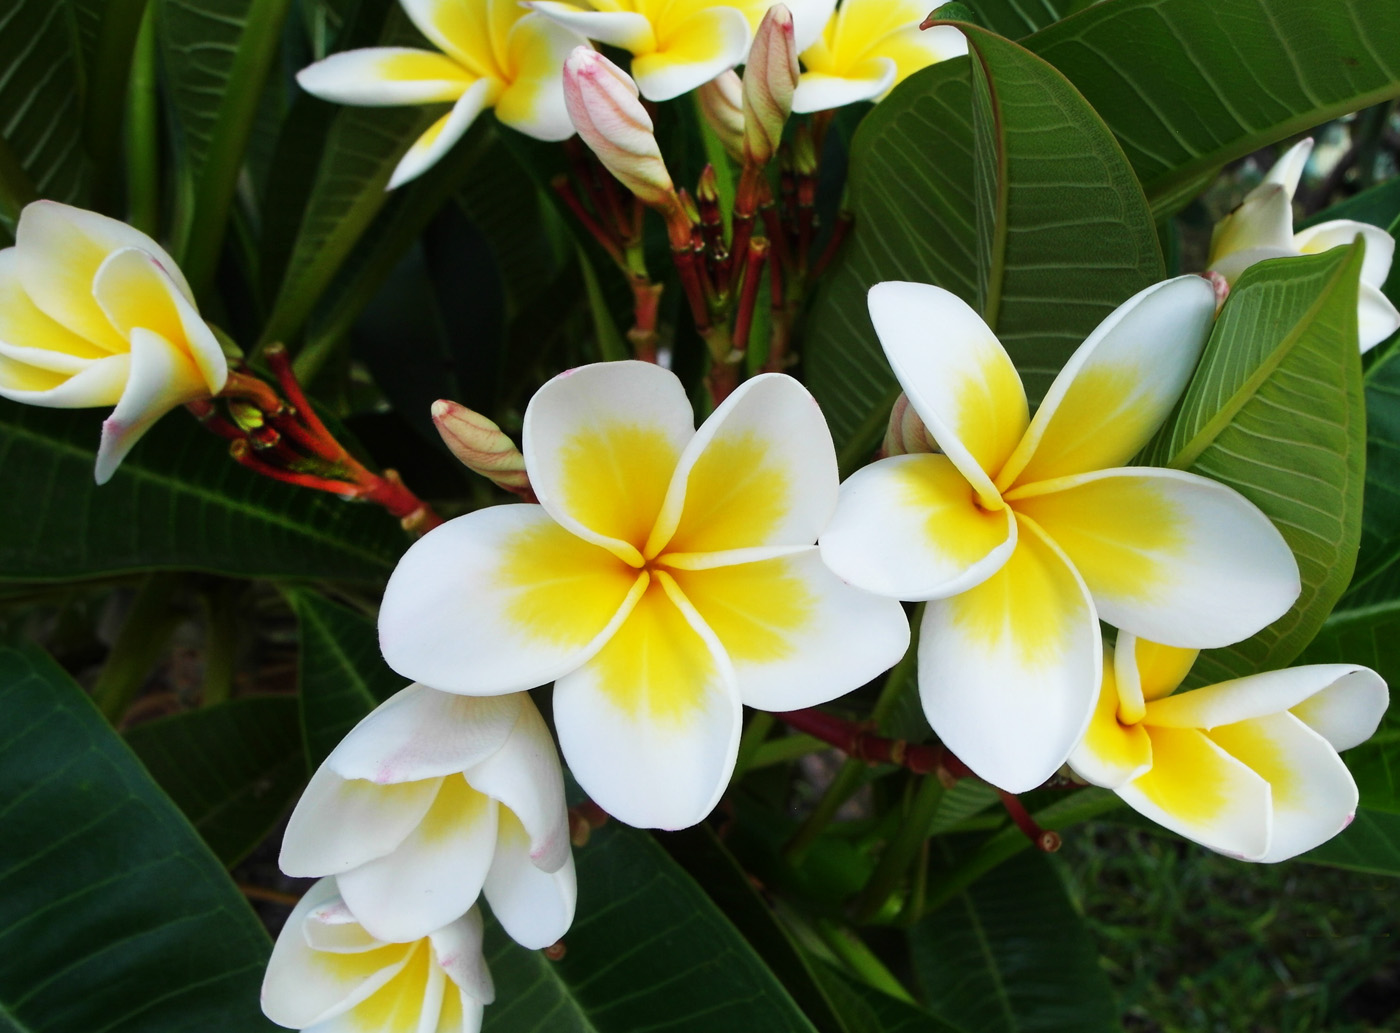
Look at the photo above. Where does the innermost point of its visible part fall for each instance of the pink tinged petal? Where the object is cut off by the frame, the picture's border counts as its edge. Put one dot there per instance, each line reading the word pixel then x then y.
pixel 1311 790
pixel 1380 245
pixel 1170 556
pixel 501 600
pixel 99 383
pixel 1350 701
pixel 760 472
pixel 434 875
pixel 386 76
pixel 332 927
pixel 692 53
pixel 534 907
pixel 601 444
pixel 533 102
pixel 721 105
pixel 1263 223
pixel 795 633
pixel 524 775
pixel 339 824
pixel 1348 711
pixel 458 952
pixel 957 376
pixel 28 335
pixel 162 376
pixel 445 132
pixel 420 733
pixel 1111 752
pixel 603 106
pixel 822 91
pixel 1009 671
pixel 60 249
pixel 1376 317
pixel 625 29
pixel 1199 791
pixel 1288 170
pixel 650 726
pixel 304 986
pixel 910 527
pixel 1119 386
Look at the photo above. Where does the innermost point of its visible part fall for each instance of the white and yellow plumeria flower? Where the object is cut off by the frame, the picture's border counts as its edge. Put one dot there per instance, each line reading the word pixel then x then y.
pixel 678 45
pixel 1024 533
pixel 95 313
pixel 329 974
pixel 494 54
pixel 1262 228
pixel 867 48
pixel 432 800
pixel 1247 767
pixel 667 576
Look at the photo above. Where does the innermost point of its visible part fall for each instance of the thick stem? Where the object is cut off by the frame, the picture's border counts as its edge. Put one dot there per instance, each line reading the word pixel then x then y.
pixel 646 301
pixel 859 744
pixel 748 293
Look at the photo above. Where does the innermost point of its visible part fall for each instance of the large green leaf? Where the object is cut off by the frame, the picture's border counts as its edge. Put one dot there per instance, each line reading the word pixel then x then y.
pixel 1012 955
pixel 1188 85
pixel 1016 18
pixel 233 768
pixel 178 502
pixel 1275 411
pixel 113 915
pixel 1028 210
pixel 1377 578
pixel 341 675
pixel 647 951
pixel 867 1010
pixel 1371 843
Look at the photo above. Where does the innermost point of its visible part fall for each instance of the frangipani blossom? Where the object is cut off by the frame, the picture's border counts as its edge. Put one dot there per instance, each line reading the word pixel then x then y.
pixel 329 974
pixel 1024 533
pixel 95 313
pixel 1247 767
pixel 1262 228
pixel 494 54
pixel 678 45
pixel 432 800
pixel 869 47
pixel 667 576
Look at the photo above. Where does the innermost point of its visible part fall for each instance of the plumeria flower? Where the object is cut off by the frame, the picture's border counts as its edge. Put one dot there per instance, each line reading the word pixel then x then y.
pixel 494 54
pixel 1024 533
pixel 95 313
pixel 1247 767
pixel 867 48
pixel 329 974
pixel 667 576
pixel 432 800
pixel 677 47
pixel 1262 228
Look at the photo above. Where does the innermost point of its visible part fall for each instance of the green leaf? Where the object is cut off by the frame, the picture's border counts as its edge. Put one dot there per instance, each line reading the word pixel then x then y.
pixel 233 769
pixel 340 673
pixel 1371 843
pixel 177 503
pixel 113 915
pixel 1377 577
pixel 1275 412
pixel 647 951
pixel 1379 206
pixel 1013 18
pixel 867 1010
pixel 1012 955
pixel 1188 85
pixel 1001 209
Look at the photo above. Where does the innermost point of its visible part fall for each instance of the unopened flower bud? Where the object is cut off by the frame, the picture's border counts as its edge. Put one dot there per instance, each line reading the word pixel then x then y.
pixel 481 445
pixel 722 106
pixel 906 433
pixel 770 78
pixel 603 104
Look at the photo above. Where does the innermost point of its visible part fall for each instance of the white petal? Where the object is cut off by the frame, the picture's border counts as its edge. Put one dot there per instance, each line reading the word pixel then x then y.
pixel 1111 752
pixel 809 19
pixel 457 950
pixel 421 733
pixel 1376 317
pixel 706 44
pixel 1009 671
pixel 500 600
pixel 909 527
pixel 534 102
pixel 444 133
pixel 99 383
pixel 28 335
pixel 1232 265
pixel 534 907
pixel 1261 227
pixel 625 29
pixel 1288 170
pixel 386 76
pixel 819 91
pixel 1380 245
pixel 339 824
pixel 795 633
pixel 1348 711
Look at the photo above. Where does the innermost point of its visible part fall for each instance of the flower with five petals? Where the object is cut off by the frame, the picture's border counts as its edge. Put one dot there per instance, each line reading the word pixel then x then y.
pixel 493 54
pixel 1262 228
pixel 95 313
pixel 1247 767
pixel 432 800
pixel 329 974
pixel 667 576
pixel 1024 533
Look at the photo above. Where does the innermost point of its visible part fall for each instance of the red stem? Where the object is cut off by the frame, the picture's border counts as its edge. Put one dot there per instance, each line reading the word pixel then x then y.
pixel 753 276
pixel 855 742
pixel 833 245
pixel 565 190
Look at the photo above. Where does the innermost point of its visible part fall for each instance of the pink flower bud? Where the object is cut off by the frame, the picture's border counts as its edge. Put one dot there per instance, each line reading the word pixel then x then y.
pixel 722 106
pixel 770 78
pixel 906 433
pixel 603 104
pixel 481 445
